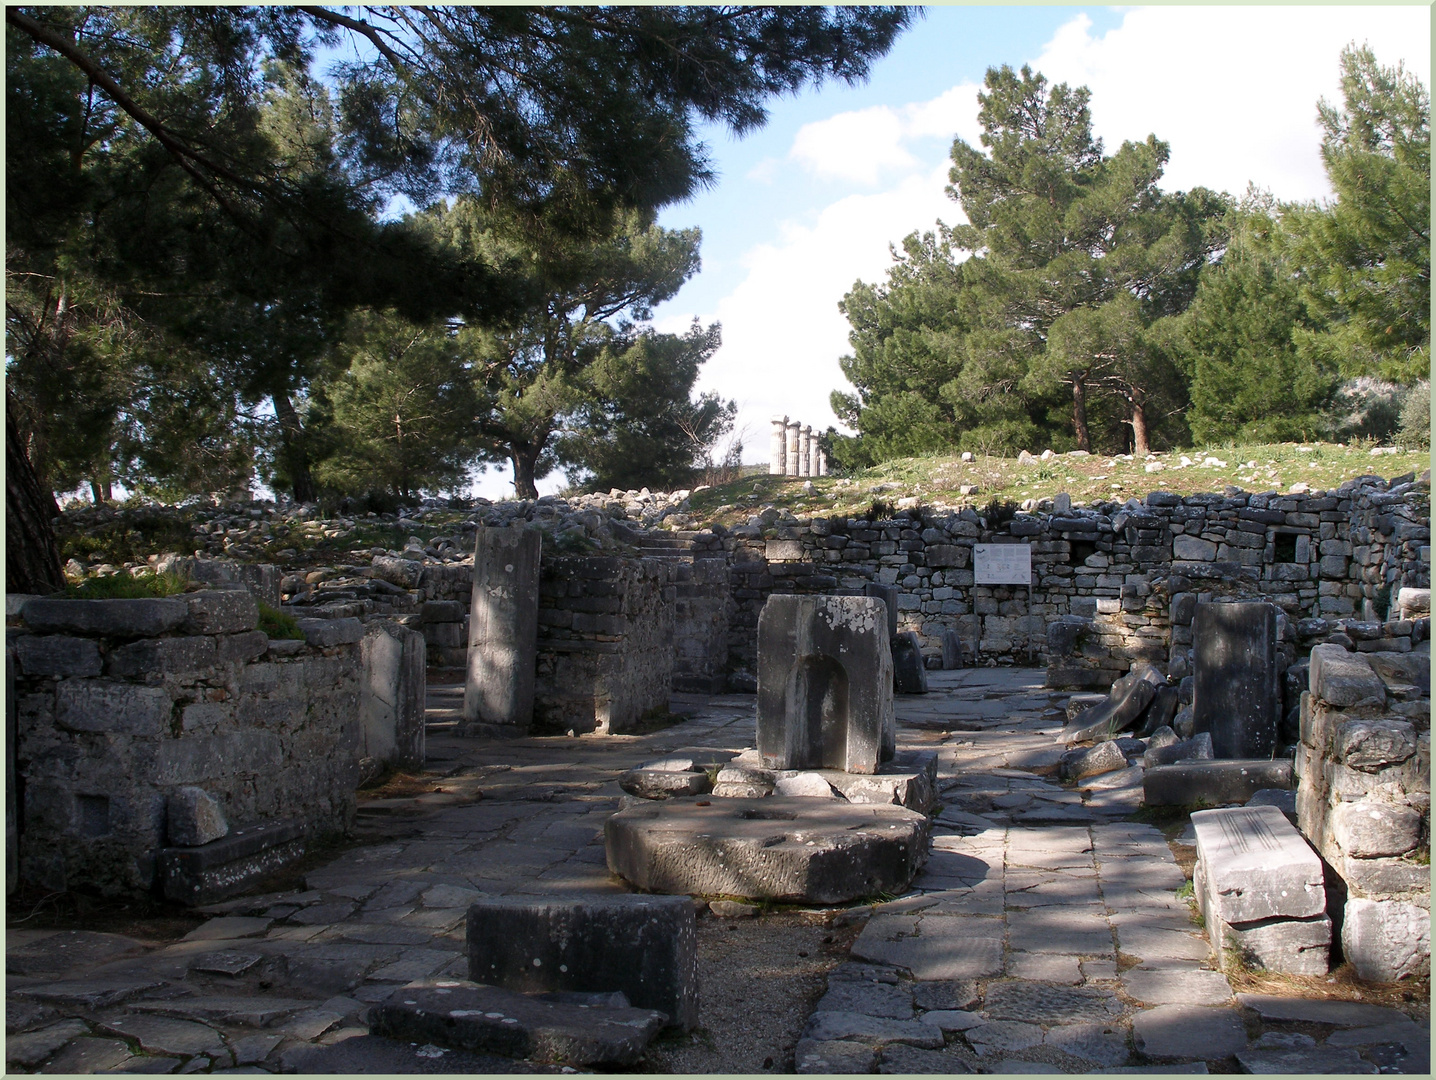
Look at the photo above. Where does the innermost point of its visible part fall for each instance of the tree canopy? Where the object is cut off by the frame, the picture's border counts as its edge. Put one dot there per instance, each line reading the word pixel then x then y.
pixel 188 166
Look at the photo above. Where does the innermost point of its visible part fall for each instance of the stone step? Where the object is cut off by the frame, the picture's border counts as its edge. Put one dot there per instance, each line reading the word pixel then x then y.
pixel 475 1017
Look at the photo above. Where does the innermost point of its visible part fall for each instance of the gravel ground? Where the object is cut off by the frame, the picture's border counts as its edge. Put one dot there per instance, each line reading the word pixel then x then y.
pixel 758 980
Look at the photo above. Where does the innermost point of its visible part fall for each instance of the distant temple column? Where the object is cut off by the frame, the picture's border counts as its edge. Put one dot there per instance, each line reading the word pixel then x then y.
pixel 791 467
pixel 822 462
pixel 778 447
pixel 805 450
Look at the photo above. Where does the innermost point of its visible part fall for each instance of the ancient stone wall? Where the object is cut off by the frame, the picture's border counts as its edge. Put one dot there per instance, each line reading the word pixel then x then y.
pixel 1364 798
pixel 1105 579
pixel 605 643
pixel 122 702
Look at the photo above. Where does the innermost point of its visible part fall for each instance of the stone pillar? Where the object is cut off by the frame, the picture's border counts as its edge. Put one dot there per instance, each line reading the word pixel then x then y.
pixel 790 467
pixel 391 696
pixel 503 629
pixel 825 674
pixel 805 439
pixel 822 469
pixel 1236 692
pixel 778 447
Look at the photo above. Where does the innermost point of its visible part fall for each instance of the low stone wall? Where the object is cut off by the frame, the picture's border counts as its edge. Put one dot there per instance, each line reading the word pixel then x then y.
pixel 1111 572
pixel 1364 799
pixel 122 702
pixel 605 642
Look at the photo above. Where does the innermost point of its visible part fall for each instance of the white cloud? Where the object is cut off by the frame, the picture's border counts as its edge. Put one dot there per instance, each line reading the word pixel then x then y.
pixel 862 145
pixel 1233 90
pixel 782 332
pixel 853 145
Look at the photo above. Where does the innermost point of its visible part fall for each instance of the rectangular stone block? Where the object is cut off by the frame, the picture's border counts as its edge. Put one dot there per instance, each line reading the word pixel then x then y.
pixel 1237 692
pixel 202 875
pixel 825 683
pixel 645 946
pixel 55 654
pixel 1342 678
pixel 503 628
pixel 391 700
pixel 105 618
pixel 1287 946
pixel 162 655
pixel 1257 866
pixel 112 707
pixel 1386 940
pixel 783 551
pixel 1213 783
pixel 221 611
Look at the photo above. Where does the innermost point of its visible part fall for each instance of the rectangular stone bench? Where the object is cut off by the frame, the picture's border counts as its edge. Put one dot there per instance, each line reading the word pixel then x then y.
pixel 1259 886
pixel 223 867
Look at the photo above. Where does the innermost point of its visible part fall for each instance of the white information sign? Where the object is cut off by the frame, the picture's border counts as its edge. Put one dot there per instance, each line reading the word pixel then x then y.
pixel 1002 564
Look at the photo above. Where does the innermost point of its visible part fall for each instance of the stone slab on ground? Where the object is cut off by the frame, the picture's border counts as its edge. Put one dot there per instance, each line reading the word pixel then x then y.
pixel 947 947
pixel 472 1016
pixel 645 946
pixel 68 950
pixel 664 783
pixel 902 1060
pixel 834 1057
pixel 375 1055
pixel 1190 783
pixel 834 1026
pixel 1204 1032
pixel 1176 986
pixel 1040 1003
pixel 779 848
pixel 1320 1011
pixel 1313 1060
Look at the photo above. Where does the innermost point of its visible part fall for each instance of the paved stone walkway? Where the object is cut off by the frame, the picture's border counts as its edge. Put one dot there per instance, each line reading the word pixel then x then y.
pixel 1045 934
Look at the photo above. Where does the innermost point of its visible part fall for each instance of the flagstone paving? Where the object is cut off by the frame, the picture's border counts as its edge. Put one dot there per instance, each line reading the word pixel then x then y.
pixel 1045 933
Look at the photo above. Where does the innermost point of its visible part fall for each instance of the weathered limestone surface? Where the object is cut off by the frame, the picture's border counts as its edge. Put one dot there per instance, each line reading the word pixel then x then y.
pixel 824 684
pixel 778 848
pixel 644 946
pixel 265 736
pixel 1237 693
pixel 503 629
pixel 1364 798
pixel 469 1016
pixel 605 656
pixel 1261 889
pixel 392 700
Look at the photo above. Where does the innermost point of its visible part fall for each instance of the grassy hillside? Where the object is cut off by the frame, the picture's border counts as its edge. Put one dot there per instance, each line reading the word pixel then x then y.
pixel 938 481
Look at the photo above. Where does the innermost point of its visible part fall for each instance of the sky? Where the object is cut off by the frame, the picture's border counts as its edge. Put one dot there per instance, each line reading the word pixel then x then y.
pixel 810 203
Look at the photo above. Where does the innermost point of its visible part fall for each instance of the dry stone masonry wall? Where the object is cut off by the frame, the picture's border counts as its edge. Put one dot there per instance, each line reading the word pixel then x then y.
pixel 1364 799
pixel 123 703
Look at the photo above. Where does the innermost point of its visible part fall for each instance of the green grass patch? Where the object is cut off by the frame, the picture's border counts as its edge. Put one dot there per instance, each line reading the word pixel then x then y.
pixel 277 624
pixel 125 587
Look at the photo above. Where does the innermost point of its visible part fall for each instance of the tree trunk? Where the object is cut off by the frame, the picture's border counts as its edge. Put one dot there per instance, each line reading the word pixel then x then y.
pixel 1140 446
pixel 32 556
pixel 1079 415
pixel 525 459
pixel 293 451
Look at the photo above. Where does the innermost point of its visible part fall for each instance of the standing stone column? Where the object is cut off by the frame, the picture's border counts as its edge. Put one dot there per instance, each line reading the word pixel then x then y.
pixel 790 468
pixel 778 447
pixel 805 446
pixel 1236 689
pixel 503 629
pixel 822 462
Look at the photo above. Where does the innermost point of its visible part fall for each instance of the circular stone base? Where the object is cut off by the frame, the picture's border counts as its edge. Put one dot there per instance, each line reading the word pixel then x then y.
pixel 793 849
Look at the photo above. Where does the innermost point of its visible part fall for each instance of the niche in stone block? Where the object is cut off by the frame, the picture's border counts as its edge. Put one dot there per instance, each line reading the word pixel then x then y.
pixel 825 698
